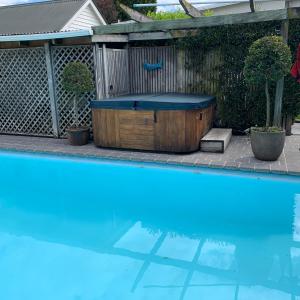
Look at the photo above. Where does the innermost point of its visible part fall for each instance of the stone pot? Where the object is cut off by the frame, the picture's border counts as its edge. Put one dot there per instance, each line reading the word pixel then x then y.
pixel 78 136
pixel 267 145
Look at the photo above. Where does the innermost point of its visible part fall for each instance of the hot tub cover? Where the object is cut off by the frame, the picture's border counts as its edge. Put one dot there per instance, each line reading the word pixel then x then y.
pixel 169 101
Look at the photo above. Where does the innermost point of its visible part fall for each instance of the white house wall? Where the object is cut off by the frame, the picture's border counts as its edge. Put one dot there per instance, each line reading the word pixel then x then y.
pixel 259 6
pixel 84 20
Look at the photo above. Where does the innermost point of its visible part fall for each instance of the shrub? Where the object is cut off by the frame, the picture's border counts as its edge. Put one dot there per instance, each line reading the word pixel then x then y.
pixel 77 79
pixel 168 15
pixel 269 59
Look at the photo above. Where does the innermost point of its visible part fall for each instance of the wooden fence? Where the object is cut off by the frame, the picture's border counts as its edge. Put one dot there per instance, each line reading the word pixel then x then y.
pixel 175 75
pixel 33 101
pixel 32 98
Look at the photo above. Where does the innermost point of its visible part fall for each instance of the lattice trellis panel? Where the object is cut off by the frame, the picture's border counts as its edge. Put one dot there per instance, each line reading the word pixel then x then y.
pixel 24 94
pixel 61 56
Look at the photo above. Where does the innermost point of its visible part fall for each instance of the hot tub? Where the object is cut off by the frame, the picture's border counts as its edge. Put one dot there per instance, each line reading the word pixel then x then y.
pixel 159 122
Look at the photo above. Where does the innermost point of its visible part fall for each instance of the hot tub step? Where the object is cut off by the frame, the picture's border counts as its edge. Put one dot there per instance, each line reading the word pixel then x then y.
pixel 216 140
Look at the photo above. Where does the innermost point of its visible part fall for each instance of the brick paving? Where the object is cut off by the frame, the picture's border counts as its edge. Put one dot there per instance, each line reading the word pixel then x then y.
pixel 237 156
pixel 296 128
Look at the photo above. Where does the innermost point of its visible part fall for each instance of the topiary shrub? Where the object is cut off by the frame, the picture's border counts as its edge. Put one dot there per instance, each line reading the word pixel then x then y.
pixel 77 79
pixel 269 59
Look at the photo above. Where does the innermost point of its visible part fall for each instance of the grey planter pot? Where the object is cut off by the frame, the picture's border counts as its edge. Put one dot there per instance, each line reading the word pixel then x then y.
pixel 267 146
pixel 78 136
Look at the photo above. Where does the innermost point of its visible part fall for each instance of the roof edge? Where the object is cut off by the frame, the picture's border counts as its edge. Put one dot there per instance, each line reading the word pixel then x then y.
pixel 45 36
pixel 41 2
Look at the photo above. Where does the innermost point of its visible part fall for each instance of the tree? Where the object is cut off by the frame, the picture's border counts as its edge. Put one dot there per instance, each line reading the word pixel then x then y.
pixel 77 79
pixel 108 10
pixel 269 59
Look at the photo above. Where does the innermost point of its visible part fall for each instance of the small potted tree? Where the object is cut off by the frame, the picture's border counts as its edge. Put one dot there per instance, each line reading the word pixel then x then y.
pixel 269 59
pixel 77 79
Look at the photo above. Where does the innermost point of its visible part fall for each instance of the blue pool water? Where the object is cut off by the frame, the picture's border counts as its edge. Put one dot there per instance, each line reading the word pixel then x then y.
pixel 73 229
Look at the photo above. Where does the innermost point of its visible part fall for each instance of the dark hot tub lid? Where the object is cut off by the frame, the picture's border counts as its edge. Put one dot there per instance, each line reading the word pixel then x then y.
pixel 169 101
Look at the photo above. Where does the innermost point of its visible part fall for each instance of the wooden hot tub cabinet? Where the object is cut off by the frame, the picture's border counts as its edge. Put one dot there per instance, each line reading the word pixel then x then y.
pixel 167 123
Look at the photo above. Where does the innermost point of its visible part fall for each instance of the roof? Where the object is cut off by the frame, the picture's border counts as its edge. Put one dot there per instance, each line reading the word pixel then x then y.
pixel 49 16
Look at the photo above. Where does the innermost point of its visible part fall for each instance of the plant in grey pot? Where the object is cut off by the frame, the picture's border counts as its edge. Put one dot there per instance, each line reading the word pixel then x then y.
pixel 269 60
pixel 77 79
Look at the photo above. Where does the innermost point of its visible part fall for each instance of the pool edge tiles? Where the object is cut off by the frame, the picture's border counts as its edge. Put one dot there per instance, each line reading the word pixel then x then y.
pixel 160 164
pixel 238 156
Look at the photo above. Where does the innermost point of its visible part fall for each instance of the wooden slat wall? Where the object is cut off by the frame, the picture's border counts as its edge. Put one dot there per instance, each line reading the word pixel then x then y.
pixel 118 77
pixel 126 72
pixel 156 81
pixel 175 76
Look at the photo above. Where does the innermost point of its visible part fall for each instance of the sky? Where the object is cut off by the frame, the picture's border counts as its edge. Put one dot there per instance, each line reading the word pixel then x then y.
pixel 10 2
pixel 164 8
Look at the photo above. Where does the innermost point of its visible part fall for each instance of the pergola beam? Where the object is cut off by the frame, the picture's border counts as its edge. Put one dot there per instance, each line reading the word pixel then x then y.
pixel 110 38
pixel 194 23
pixel 159 35
pixel 190 10
pixel 135 15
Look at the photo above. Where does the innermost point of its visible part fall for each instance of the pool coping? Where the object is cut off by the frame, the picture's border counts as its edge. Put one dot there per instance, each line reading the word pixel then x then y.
pixel 153 158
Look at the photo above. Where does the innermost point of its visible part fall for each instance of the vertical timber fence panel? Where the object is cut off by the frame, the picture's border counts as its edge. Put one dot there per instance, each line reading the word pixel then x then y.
pixel 116 73
pixel 152 81
pixel 24 93
pixel 61 56
pixel 176 74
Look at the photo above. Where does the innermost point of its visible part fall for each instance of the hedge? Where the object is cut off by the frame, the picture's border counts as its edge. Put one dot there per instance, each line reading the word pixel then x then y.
pixel 240 106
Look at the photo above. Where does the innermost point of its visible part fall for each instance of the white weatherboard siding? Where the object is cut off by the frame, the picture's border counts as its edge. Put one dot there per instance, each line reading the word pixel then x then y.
pixel 85 18
pixel 259 6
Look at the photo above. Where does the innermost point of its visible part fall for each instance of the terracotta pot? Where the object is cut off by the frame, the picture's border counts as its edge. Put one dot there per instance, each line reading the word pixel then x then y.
pixel 78 136
pixel 267 146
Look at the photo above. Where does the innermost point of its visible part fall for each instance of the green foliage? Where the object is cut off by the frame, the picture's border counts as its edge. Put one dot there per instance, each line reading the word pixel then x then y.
pixel 174 15
pixel 291 101
pixel 269 59
pixel 266 129
pixel 168 15
pixel 145 10
pixel 240 106
pixel 208 13
pixel 77 78
pixel 108 10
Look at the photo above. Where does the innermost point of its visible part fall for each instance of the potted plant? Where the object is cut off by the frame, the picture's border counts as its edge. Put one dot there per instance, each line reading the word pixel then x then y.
pixel 77 79
pixel 269 60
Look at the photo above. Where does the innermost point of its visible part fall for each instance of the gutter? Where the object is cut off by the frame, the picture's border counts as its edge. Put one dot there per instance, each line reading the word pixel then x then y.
pixel 45 36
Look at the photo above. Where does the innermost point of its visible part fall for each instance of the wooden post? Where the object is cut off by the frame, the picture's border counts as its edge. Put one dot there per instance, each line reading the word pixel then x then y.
pixel 277 120
pixel 105 71
pixel 252 6
pixel 53 105
pixel 96 68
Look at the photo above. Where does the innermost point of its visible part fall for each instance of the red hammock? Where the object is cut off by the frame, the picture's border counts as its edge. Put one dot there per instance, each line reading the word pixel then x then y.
pixel 295 71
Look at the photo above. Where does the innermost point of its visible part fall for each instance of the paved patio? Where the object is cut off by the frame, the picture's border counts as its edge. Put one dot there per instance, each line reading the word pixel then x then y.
pixel 296 128
pixel 237 156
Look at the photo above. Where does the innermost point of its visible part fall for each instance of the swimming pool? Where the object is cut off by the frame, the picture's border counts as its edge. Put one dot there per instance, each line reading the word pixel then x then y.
pixel 83 229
